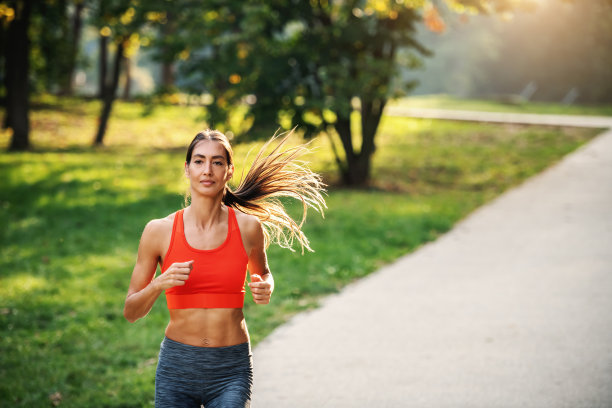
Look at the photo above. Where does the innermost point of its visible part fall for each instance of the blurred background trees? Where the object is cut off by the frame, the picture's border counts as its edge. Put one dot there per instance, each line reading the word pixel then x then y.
pixel 324 66
pixel 555 50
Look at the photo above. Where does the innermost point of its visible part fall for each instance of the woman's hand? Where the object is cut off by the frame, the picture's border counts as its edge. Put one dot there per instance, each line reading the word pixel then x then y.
pixel 262 282
pixel 261 289
pixel 175 275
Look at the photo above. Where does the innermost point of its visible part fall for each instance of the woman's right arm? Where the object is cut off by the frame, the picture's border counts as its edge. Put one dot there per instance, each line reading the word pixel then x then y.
pixel 144 287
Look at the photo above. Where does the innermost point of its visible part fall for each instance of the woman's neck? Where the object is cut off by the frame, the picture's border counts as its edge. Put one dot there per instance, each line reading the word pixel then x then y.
pixel 205 211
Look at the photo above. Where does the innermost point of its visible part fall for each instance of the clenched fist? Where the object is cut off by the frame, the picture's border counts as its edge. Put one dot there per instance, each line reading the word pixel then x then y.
pixel 175 275
pixel 261 290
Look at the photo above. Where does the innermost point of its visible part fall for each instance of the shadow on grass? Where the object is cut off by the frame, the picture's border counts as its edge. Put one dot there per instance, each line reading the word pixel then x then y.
pixel 65 271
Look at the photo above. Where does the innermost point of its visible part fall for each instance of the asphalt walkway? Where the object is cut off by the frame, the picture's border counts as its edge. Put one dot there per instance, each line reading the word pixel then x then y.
pixel 512 308
pixel 502 117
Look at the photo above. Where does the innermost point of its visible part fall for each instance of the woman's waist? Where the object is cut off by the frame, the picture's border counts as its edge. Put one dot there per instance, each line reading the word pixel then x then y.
pixel 203 362
pixel 207 327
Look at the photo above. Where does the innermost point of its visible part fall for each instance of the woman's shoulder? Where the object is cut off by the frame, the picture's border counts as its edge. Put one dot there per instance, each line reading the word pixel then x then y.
pixel 247 223
pixel 251 230
pixel 160 225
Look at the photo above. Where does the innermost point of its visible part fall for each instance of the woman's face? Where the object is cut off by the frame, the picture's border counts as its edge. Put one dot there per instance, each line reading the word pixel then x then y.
pixel 208 171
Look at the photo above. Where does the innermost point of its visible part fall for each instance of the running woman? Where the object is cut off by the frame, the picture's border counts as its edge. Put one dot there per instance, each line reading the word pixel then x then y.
pixel 204 252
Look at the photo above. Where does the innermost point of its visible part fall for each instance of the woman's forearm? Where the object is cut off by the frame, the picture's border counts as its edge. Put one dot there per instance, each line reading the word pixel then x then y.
pixel 139 304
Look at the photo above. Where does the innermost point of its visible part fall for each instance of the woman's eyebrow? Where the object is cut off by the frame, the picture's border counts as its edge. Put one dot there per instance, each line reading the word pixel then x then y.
pixel 214 157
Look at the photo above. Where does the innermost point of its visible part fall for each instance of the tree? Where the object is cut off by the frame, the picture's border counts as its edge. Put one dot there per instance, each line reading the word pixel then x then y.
pixel 75 37
pixel 102 62
pixel 166 43
pixel 356 46
pixel 109 95
pixel 312 65
pixel 55 31
pixel 351 71
pixel 17 67
pixel 307 63
pixel 126 25
pixel 168 34
pixel 46 62
pixel 127 78
pixel 120 22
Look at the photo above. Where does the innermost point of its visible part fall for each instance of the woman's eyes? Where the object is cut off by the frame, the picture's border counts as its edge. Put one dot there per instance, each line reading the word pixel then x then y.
pixel 200 162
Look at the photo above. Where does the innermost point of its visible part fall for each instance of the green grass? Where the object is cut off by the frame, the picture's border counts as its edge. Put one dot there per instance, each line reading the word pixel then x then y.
pixel 509 105
pixel 72 216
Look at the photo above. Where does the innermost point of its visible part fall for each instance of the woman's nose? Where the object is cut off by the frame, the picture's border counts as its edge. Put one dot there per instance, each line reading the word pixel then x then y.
pixel 206 168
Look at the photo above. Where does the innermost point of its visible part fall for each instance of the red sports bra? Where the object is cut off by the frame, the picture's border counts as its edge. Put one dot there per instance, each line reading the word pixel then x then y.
pixel 218 275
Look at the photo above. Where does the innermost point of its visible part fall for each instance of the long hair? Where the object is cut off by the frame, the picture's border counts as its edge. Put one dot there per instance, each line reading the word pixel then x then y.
pixel 279 173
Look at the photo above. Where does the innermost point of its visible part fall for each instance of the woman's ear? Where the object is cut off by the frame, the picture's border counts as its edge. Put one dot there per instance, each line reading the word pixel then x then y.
pixel 186 169
pixel 230 172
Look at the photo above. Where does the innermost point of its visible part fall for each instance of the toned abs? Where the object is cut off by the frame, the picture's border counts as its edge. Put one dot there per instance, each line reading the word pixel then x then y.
pixel 207 327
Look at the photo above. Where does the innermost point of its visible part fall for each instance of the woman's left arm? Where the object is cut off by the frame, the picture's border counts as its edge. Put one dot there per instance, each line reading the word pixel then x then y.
pixel 262 282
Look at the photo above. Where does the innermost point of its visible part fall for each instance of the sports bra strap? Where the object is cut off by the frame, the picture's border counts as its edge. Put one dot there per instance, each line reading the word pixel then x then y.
pixel 178 218
pixel 233 222
pixel 178 221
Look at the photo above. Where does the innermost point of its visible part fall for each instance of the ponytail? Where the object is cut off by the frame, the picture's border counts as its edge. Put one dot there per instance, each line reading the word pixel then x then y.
pixel 272 176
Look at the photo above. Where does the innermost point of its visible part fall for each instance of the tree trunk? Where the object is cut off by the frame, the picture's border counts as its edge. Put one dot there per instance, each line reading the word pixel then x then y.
pixel 356 171
pixel 167 68
pixel 102 67
pixel 127 74
pixel 109 96
pixel 17 68
pixel 77 25
pixel 371 113
pixel 3 67
pixel 167 76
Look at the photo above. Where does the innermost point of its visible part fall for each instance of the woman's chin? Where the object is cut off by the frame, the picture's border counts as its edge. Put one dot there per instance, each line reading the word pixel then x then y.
pixel 210 192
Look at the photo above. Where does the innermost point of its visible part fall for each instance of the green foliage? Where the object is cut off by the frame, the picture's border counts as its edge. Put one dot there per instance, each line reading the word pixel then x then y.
pixel 306 64
pixel 286 63
pixel 277 63
pixel 72 218
pixel 122 18
pixel 50 53
pixel 295 61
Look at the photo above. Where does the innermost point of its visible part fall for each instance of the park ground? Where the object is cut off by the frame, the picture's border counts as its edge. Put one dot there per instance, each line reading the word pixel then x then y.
pixel 73 216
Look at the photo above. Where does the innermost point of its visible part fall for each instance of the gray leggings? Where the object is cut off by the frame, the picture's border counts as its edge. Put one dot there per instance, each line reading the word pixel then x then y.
pixel 190 376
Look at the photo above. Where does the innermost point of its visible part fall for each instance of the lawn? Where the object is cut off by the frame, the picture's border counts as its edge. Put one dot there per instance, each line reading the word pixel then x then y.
pixel 72 216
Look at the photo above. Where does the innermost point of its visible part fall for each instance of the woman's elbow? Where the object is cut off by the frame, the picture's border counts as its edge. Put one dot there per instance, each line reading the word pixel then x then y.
pixel 129 314
pixel 129 317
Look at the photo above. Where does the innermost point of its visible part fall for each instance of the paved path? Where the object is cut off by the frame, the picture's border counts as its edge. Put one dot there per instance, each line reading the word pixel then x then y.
pixel 502 117
pixel 512 308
